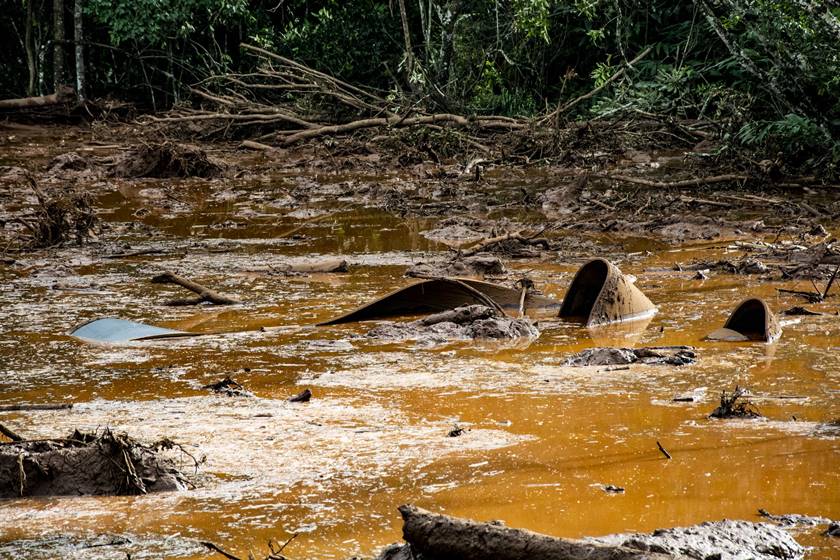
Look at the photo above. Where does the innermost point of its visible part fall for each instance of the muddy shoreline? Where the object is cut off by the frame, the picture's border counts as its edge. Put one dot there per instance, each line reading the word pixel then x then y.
pixel 538 440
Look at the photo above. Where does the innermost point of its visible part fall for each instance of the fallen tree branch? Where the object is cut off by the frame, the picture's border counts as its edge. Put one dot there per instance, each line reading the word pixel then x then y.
pixel 9 433
pixel 677 184
pixel 204 293
pixel 483 245
pixel 13 407
pixel 64 95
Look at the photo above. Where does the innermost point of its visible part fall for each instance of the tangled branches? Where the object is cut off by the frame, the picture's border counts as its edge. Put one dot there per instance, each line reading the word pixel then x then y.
pixel 60 215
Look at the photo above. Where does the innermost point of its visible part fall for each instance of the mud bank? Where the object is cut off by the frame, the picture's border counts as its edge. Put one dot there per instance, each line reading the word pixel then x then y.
pixel 86 464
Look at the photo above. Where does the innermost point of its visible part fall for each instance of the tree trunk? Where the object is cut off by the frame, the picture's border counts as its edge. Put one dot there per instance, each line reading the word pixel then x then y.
pixel 409 55
pixel 452 538
pixel 58 44
pixel 30 49
pixel 63 95
pixel 79 35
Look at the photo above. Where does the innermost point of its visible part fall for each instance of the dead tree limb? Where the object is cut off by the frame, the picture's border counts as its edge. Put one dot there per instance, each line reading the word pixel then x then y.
pixel 485 244
pixel 204 293
pixel 9 433
pixel 13 407
pixel 677 184
pixel 441 536
pixel 64 95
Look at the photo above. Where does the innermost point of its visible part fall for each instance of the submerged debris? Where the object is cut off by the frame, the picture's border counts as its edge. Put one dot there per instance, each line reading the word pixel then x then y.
pixel 612 489
pixel 164 161
pixel 87 464
pixel 833 530
pixel 228 387
pixel 477 265
pixel 303 396
pixel 751 320
pixel 799 310
pixel 659 355
pixel 601 294
pixel 61 214
pixel 465 322
pixel 790 519
pixel 732 405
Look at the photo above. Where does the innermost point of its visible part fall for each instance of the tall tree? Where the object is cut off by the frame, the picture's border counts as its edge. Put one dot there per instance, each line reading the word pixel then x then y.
pixel 58 44
pixel 29 46
pixel 79 36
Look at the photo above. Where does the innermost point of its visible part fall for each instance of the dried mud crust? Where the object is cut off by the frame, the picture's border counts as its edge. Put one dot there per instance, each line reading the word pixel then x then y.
pixel 727 539
pixel 674 356
pixel 84 464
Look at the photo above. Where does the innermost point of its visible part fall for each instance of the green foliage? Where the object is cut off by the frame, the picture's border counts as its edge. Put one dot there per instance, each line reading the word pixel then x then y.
pixel 156 22
pixel 798 139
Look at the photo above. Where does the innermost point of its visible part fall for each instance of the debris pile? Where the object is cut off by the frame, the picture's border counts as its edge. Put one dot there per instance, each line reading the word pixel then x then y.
pixel 480 265
pixel 733 405
pixel 61 214
pixel 164 161
pixel 464 322
pixel 657 355
pixel 87 464
pixel 229 388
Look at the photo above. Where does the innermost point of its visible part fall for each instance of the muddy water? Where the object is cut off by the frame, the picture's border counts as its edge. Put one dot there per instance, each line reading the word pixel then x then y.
pixel 541 438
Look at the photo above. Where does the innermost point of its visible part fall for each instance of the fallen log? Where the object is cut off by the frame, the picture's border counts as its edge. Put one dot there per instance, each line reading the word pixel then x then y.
pixel 677 184
pixel 46 406
pixel 204 293
pixel 438 536
pixel 484 244
pixel 63 95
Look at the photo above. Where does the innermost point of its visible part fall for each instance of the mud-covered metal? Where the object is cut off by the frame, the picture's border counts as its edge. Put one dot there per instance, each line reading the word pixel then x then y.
pixel 601 294
pixel 441 294
pixel 752 320
pixel 112 330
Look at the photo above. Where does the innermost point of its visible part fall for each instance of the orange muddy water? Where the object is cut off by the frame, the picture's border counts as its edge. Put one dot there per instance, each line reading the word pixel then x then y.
pixel 541 439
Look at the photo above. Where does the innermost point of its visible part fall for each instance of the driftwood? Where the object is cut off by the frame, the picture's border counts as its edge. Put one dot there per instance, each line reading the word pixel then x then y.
pixel 63 95
pixel 13 407
pixel 678 184
pixel 438 536
pixel 484 244
pixel 9 433
pixel 204 293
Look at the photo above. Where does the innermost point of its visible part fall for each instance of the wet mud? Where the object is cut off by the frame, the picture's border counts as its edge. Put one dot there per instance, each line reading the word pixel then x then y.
pixel 540 438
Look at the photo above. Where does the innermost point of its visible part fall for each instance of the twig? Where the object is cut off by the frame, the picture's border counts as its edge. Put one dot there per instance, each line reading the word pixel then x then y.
pixel 663 450
pixel 831 281
pixel 220 550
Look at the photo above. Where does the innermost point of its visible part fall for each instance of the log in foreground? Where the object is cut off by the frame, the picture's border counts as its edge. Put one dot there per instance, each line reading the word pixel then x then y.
pixel 441 537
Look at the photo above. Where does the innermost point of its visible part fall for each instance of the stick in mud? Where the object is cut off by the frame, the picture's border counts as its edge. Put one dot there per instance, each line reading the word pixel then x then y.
pixel 663 450
pixel 204 293
pixel 9 433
